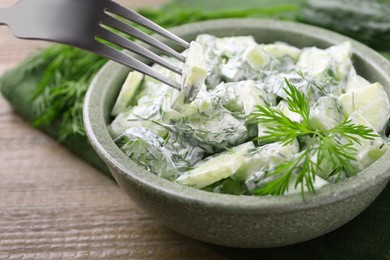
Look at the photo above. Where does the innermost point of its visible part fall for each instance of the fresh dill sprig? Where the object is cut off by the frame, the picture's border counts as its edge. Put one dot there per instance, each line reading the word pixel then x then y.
pixel 59 96
pixel 333 148
pixel 283 129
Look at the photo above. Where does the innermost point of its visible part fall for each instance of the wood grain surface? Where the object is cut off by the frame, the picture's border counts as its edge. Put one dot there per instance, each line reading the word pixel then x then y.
pixel 53 205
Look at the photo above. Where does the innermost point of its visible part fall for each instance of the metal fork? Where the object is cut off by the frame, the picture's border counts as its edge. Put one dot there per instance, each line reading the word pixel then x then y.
pixel 85 23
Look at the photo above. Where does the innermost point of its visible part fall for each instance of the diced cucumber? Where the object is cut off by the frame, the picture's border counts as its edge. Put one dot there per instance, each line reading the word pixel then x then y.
pixel 206 131
pixel 250 96
pixel 258 176
pixel 194 72
pixel 153 86
pixel 146 148
pixel 326 113
pixel 355 81
pixel 368 151
pixel 232 59
pixel 127 120
pixel 184 154
pixel 226 94
pixel 307 84
pixel 318 183
pixel 212 58
pixel 205 40
pixel 370 101
pixel 332 62
pixel 341 54
pixel 316 62
pixel 265 157
pixel 234 70
pixel 256 57
pixel 283 107
pixel 129 88
pixel 281 49
pixel 232 46
pixel 150 107
pixel 242 96
pixel 216 167
pixel 202 104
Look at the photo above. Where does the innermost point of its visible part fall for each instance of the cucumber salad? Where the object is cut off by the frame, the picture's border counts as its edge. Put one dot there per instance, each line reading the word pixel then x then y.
pixel 254 119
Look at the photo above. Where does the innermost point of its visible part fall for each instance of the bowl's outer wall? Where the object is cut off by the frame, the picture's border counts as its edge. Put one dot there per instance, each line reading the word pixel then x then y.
pixel 246 230
pixel 232 220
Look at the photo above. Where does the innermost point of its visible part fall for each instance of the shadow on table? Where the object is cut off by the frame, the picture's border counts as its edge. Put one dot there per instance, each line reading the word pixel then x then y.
pixel 365 237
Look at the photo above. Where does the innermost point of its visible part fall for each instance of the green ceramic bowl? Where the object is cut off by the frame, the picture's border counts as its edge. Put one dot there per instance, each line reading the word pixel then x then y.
pixel 230 220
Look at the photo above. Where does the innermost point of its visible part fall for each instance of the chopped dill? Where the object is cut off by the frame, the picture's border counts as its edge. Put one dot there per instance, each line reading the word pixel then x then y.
pixel 334 147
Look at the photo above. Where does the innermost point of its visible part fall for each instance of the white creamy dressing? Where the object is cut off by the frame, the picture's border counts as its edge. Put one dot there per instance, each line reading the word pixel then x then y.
pixel 200 137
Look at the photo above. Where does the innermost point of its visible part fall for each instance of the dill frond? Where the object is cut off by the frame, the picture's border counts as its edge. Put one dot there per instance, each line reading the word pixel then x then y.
pixel 334 147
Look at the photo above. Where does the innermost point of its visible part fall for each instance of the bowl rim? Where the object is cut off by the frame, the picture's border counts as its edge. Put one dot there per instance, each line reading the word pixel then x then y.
pixel 96 130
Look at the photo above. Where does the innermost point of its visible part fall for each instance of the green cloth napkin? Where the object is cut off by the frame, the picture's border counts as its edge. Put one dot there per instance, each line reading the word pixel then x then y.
pixel 365 237
pixel 19 90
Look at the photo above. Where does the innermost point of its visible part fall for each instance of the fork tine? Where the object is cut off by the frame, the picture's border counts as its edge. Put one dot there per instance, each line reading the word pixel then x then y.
pixel 130 15
pixel 133 47
pixel 120 57
pixel 125 28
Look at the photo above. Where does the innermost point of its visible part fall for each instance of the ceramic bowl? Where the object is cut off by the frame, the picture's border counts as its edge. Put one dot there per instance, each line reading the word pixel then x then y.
pixel 230 220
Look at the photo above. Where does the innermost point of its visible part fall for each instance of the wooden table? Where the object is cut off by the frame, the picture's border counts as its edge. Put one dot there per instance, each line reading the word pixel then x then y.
pixel 53 205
